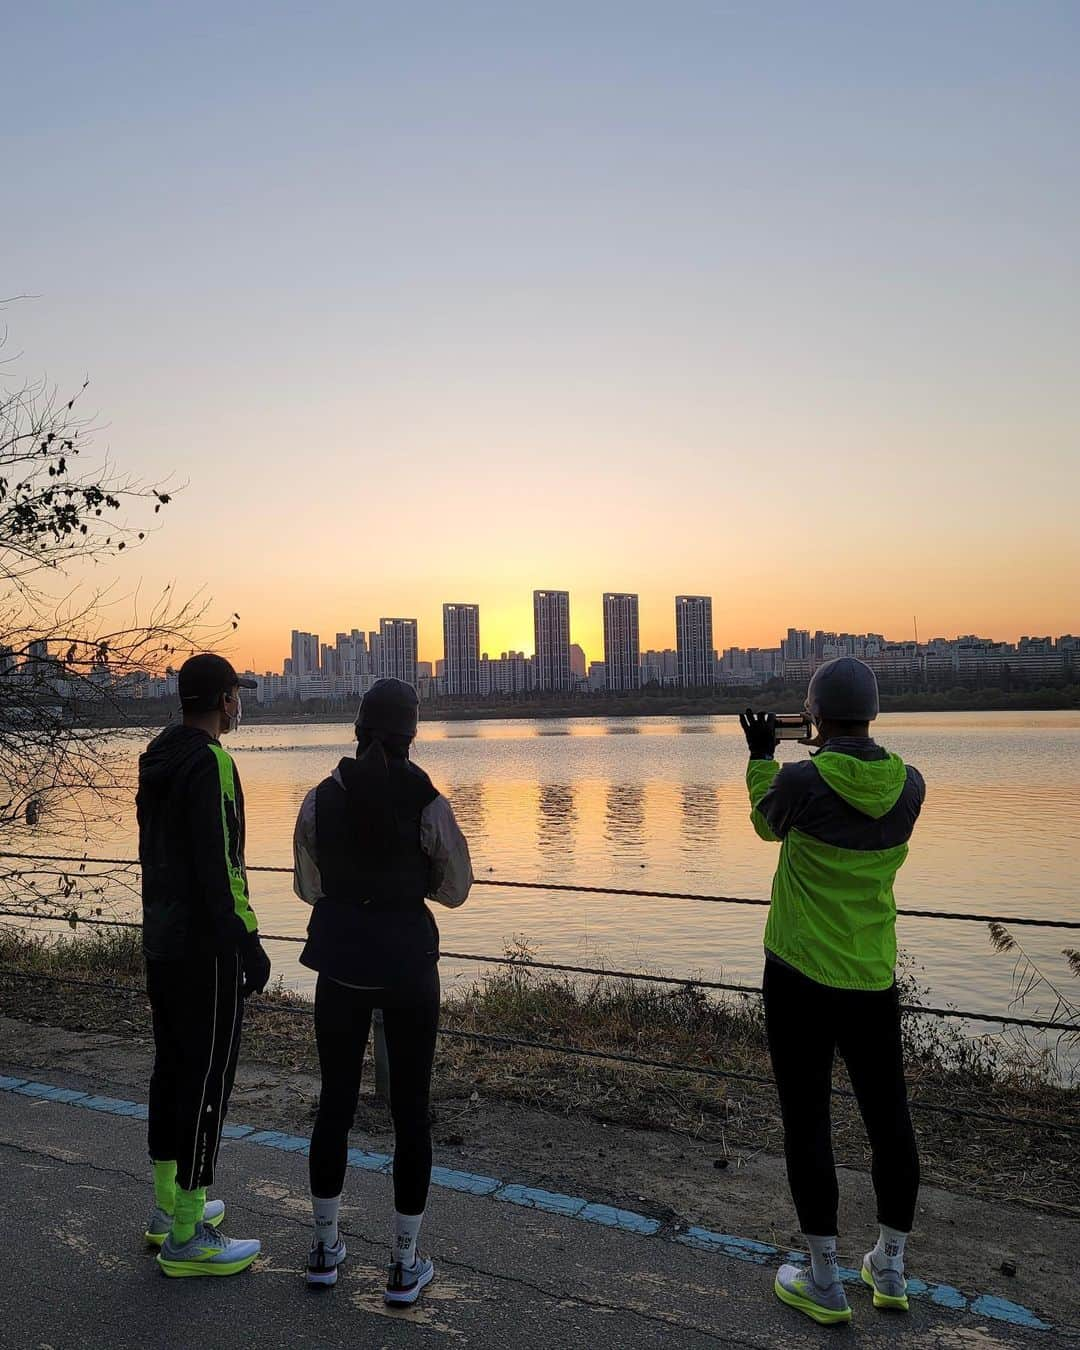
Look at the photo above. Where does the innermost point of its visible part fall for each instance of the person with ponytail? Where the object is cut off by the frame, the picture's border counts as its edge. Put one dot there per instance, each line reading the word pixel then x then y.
pixel 373 841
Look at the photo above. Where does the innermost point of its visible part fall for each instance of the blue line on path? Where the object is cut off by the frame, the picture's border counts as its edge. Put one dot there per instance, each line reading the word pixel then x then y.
pixel 530 1197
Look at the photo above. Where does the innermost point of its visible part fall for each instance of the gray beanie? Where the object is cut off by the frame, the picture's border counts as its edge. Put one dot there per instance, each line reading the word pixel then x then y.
pixel 844 690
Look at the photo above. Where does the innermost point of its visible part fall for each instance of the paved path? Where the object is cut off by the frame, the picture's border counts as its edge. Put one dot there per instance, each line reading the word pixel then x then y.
pixel 75 1189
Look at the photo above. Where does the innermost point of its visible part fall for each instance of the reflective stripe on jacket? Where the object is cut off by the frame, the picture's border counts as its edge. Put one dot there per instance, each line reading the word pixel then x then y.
pixel 190 809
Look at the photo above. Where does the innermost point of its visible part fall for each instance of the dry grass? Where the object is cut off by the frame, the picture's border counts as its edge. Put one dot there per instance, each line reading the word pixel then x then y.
pixel 1030 1163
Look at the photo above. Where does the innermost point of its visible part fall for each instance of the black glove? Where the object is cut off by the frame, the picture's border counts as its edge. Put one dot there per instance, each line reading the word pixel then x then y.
pixel 256 965
pixel 760 732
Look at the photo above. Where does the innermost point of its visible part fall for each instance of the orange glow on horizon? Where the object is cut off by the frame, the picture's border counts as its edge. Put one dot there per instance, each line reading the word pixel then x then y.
pixel 262 645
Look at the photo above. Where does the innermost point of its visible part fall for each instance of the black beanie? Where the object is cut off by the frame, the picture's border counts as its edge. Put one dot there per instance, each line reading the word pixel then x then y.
pixel 389 706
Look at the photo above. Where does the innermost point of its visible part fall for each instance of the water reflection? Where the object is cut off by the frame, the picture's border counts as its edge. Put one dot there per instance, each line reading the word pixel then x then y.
pixel 624 817
pixel 563 811
pixel 556 821
pixel 699 816
pixel 467 799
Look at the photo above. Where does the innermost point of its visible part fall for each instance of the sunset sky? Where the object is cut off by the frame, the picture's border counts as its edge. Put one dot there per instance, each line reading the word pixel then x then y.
pixel 430 302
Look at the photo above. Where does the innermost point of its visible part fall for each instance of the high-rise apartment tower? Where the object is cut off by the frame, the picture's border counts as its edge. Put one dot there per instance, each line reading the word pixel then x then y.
pixel 622 648
pixel 305 653
pixel 551 627
pixel 694 639
pixel 397 649
pixel 461 648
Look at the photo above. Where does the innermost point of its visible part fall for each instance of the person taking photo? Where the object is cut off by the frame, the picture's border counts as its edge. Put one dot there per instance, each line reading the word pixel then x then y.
pixel 372 842
pixel 843 820
pixel 203 957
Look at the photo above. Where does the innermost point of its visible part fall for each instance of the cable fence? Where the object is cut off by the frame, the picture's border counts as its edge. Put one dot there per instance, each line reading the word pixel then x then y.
pixel 1012 920
pixel 606 972
pixel 918 1009
pixel 557 1048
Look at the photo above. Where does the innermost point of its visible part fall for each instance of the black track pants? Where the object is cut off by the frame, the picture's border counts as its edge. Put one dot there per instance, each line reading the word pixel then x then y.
pixel 197 1013
pixel 342 1021
pixel 806 1022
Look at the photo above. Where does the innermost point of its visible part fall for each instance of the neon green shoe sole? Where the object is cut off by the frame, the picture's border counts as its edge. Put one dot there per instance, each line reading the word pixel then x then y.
pixel 826 1316
pixel 207 1252
pixel 898 1304
pixel 186 1269
pixel 161 1223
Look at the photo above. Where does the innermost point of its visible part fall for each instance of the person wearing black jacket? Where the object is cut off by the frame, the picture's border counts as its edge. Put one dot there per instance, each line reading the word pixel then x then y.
pixel 203 957
pixel 372 842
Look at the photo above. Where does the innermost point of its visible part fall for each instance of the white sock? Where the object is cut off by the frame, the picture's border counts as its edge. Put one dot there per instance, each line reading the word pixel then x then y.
pixel 406 1231
pixel 889 1252
pixel 823 1260
pixel 325 1212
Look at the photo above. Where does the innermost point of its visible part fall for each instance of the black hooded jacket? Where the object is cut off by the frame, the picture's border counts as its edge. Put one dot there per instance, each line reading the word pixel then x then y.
pixel 190 808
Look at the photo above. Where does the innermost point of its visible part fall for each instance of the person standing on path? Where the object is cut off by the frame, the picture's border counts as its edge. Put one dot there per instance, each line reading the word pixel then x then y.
pixel 843 820
pixel 372 842
pixel 203 957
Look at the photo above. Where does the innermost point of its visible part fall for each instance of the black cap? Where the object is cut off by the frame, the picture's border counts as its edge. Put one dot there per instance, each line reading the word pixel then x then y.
pixel 390 706
pixel 204 678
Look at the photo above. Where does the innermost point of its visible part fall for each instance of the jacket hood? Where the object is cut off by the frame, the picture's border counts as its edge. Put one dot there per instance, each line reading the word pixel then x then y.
pixel 872 786
pixel 168 752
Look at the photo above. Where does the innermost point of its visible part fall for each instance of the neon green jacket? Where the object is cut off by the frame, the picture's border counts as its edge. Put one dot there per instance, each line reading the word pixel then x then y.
pixel 843 820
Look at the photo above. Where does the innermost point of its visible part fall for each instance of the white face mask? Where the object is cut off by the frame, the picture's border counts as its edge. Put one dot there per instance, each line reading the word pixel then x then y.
pixel 237 713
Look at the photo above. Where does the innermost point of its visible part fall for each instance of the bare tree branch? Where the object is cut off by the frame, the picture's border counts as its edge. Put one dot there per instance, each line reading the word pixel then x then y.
pixel 72 665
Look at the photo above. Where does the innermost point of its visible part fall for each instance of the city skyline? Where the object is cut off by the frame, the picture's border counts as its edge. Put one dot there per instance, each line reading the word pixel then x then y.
pixel 349 667
pixel 508 624
pixel 691 641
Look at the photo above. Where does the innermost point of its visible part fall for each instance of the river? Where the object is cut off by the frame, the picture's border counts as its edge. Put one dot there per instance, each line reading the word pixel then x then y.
pixel 660 804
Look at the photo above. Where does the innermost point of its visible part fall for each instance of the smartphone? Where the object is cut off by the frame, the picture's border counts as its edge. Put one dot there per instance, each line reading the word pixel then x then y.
pixel 793 727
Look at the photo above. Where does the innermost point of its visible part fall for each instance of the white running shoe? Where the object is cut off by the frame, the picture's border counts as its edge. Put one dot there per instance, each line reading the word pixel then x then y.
pixel 827 1304
pixel 889 1286
pixel 403 1283
pixel 323 1261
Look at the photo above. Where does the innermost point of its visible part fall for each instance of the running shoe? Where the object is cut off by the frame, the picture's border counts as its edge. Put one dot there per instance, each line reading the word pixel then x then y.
pixel 889 1286
pixel 160 1225
pixel 323 1261
pixel 826 1304
pixel 403 1283
pixel 207 1253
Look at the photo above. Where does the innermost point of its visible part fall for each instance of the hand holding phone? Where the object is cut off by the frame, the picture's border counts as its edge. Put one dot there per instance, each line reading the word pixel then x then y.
pixel 794 727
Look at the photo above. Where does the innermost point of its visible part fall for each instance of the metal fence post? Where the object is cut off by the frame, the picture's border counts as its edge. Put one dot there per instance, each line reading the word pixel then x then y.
pixel 382 1063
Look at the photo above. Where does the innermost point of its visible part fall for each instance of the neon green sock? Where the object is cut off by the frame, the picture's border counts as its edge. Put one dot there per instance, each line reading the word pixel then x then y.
pixel 189 1212
pixel 165 1185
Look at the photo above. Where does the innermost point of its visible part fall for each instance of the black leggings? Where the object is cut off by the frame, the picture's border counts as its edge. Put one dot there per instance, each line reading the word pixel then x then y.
pixel 342 1021
pixel 806 1022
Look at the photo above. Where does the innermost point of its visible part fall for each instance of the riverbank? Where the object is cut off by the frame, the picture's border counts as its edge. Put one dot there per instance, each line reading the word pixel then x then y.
pixel 1025 1161
pixel 644 703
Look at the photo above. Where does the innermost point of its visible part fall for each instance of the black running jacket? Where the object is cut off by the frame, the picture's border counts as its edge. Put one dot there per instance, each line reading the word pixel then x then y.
pixel 190 808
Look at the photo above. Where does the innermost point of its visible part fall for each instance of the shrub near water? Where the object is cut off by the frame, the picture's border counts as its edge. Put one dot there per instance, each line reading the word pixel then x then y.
pixel 104 952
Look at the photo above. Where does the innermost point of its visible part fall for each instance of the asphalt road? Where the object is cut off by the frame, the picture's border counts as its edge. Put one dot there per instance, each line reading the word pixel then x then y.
pixel 76 1194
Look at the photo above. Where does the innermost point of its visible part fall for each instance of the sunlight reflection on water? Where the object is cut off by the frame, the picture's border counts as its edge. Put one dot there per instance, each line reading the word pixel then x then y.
pixel 660 803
